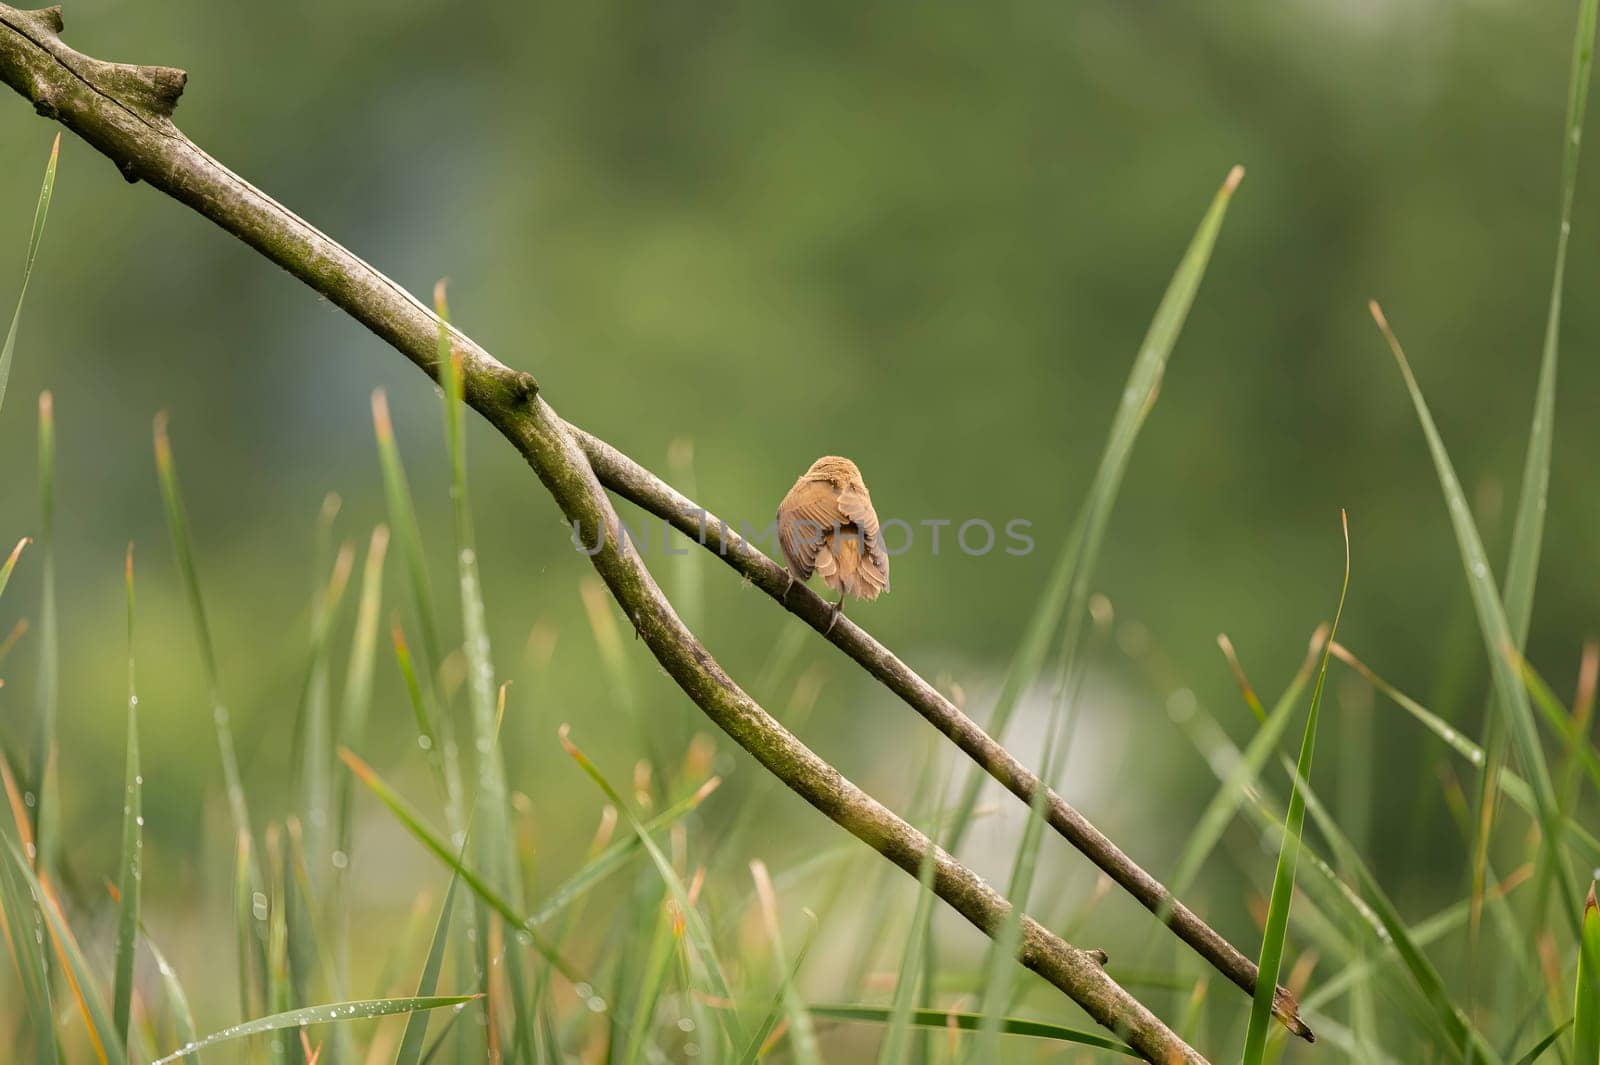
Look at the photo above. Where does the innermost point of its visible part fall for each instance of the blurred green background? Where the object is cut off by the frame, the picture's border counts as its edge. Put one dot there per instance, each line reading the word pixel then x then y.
pixel 923 236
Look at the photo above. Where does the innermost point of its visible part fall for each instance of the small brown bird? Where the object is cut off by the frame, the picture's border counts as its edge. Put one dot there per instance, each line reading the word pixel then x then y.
pixel 826 525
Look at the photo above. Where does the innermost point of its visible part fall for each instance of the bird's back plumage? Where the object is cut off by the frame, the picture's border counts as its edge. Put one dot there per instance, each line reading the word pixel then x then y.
pixel 827 525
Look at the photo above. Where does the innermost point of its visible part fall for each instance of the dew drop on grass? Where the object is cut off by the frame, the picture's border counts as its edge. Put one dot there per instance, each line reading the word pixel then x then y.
pixel 583 990
pixel 340 860
pixel 425 743
pixel 28 800
pixel 596 1004
pixel 685 1024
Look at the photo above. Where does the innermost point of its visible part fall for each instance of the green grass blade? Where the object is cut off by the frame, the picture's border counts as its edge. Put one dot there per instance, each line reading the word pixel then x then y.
pixel 897 1041
pixel 333 1012
pixel 495 840
pixel 1509 694
pixel 178 528
pixel 802 1033
pixel 314 740
pixel 128 881
pixel 479 885
pixel 25 927
pixel 1001 966
pixel 779 998
pixel 177 1000
pixel 1536 1051
pixel 1326 890
pixel 427 702
pixel 1528 533
pixel 74 966
pixel 1225 803
pixel 1515 787
pixel 699 934
pixel 355 704
pixel 1067 590
pixel 1424 933
pixel 1272 939
pixel 40 211
pixel 969 1022
pixel 652 980
pixel 411 1044
pixel 41 771
pixel 357 699
pixel 1586 999
pixel 1463 1035
pixel 1579 751
pixel 615 856
pixel 407 533
pixel 11 563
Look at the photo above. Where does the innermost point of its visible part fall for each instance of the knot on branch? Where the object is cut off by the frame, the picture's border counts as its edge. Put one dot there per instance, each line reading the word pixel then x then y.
pixel 154 90
pixel 62 78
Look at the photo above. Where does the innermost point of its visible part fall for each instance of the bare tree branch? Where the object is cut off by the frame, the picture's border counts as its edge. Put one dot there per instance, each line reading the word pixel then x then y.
pixel 125 113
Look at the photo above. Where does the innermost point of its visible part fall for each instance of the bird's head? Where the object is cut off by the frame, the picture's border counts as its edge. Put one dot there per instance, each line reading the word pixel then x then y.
pixel 841 471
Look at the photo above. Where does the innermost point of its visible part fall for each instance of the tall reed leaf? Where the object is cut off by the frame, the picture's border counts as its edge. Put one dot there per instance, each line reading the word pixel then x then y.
pixel 1466 1038
pixel 1225 803
pixel 1000 974
pixel 1272 939
pixel 1586 999
pixel 178 528
pixel 1067 590
pixel 801 1032
pixel 897 1041
pixel 1536 1051
pixel 969 1022
pixel 41 772
pixel 417 1024
pixel 699 934
pixel 495 840
pixel 128 882
pixel 40 211
pixel 73 966
pixel 478 883
pixel 24 924
pixel 780 998
pixel 1510 695
pixel 1527 535
pixel 1528 532
pixel 358 678
pixel 433 723
pixel 362 1010
pixel 11 563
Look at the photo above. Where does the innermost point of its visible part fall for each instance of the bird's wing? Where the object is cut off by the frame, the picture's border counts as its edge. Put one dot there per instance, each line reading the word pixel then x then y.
pixel 805 517
pixel 856 506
